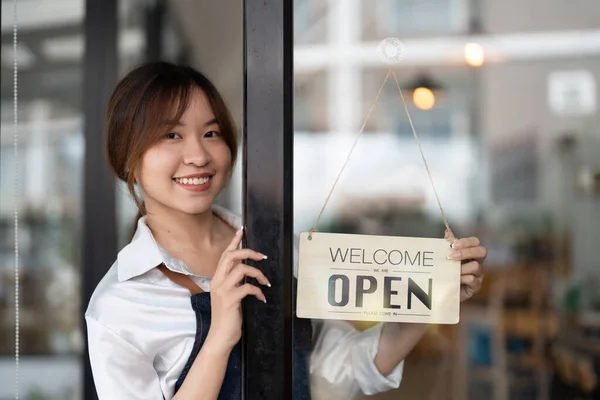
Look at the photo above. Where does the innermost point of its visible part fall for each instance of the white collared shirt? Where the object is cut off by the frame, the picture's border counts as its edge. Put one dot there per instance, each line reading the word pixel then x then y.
pixel 141 329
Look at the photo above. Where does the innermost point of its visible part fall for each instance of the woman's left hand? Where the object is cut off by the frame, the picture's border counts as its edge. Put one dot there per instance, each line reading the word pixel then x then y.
pixel 471 255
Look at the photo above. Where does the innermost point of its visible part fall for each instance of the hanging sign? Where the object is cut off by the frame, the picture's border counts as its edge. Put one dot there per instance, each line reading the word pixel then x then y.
pixel 377 278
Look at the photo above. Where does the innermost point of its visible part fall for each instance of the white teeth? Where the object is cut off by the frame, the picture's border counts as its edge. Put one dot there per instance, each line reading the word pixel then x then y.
pixel 193 181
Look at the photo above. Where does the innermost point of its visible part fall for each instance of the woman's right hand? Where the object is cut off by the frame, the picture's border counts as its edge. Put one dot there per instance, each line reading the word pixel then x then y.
pixel 227 289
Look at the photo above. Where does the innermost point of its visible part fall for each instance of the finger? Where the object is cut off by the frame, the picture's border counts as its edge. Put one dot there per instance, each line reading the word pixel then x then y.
pixel 472 253
pixel 471 281
pixel 240 271
pixel 471 268
pixel 237 239
pixel 469 286
pixel 466 242
pixel 446 234
pixel 240 255
pixel 247 289
pixel 232 257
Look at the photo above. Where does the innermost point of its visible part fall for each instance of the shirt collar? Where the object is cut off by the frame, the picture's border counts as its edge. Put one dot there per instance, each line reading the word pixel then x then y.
pixel 144 253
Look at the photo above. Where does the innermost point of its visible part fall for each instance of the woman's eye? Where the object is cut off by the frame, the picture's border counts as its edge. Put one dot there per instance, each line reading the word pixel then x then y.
pixel 173 135
pixel 211 134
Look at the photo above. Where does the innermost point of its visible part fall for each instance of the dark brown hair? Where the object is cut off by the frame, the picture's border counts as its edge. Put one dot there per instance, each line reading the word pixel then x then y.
pixel 139 108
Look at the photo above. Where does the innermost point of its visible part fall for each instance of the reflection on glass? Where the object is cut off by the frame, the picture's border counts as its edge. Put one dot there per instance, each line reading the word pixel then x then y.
pixel 383 18
pixel 310 21
pixel 511 139
pixel 50 186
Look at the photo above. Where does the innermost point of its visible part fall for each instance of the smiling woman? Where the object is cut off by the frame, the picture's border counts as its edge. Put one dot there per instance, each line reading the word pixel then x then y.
pixel 170 134
pixel 153 145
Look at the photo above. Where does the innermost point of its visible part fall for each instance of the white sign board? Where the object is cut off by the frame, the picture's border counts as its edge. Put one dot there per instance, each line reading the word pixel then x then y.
pixel 377 278
pixel 572 93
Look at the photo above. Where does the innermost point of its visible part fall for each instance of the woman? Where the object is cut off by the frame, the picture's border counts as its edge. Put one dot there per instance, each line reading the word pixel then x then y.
pixel 154 331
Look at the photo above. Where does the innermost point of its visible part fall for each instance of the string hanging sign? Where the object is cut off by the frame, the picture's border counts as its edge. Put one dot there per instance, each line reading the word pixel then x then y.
pixel 378 278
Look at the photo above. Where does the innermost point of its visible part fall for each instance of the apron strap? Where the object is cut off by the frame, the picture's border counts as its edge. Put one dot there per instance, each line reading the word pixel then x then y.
pixel 181 280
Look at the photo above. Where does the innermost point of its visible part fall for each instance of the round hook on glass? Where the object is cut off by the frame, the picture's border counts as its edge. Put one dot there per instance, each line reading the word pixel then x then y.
pixel 391 50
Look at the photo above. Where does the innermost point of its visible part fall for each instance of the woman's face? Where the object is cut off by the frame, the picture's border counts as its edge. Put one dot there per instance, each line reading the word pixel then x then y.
pixel 188 167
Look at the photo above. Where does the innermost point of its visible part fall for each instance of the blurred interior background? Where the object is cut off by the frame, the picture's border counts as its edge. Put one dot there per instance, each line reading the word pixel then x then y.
pixel 503 94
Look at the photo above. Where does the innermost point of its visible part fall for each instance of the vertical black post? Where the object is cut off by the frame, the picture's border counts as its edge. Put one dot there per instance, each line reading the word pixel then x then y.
pixel 268 214
pixel 153 27
pixel 99 211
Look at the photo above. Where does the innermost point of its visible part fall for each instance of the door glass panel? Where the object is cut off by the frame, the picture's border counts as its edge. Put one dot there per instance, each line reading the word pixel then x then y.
pixel 511 143
pixel 50 163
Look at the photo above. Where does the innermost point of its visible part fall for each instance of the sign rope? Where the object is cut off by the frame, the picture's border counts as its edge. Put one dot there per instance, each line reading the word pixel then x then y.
pixel 391 71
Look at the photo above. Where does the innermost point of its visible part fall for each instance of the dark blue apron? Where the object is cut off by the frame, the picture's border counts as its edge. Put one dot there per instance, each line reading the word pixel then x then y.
pixel 232 382
pixel 231 388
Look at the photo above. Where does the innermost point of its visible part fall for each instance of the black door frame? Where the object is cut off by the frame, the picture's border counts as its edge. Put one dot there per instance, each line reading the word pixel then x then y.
pixel 268 197
pixel 99 205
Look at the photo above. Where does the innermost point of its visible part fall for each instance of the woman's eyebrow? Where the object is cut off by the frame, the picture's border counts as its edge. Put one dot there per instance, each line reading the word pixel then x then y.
pixel 211 122
pixel 179 123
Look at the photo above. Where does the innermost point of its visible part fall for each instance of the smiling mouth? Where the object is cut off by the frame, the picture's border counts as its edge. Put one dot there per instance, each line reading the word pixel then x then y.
pixel 193 181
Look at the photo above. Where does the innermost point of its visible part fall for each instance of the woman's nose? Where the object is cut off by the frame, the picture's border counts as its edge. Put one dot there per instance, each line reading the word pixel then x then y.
pixel 196 154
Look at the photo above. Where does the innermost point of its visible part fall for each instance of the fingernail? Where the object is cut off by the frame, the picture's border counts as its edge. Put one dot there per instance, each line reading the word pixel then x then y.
pixel 265 301
pixel 455 255
pixel 268 284
pixel 265 257
pixel 455 245
pixel 241 228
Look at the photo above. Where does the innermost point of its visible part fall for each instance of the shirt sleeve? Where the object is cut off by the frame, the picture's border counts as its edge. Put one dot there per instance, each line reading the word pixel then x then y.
pixel 120 370
pixel 342 361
